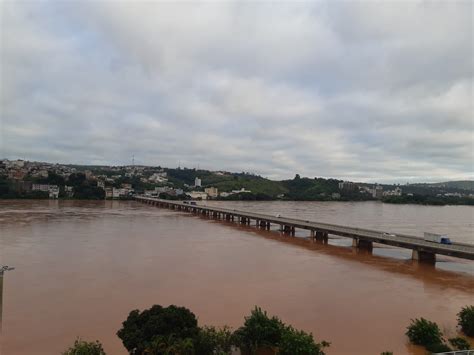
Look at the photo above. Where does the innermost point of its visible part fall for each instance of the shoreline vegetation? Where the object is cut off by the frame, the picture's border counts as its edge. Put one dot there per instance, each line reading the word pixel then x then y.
pixel 174 330
pixel 32 180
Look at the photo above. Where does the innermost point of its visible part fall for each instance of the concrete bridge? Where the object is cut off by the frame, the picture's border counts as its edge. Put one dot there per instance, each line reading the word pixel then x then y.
pixel 361 238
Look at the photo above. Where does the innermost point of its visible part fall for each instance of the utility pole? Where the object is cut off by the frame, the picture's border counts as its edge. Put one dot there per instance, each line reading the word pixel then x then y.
pixel 2 271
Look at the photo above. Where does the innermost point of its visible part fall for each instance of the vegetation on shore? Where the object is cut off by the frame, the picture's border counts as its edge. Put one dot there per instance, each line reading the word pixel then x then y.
pixel 174 330
pixel 428 334
pixel 429 200
pixel 256 188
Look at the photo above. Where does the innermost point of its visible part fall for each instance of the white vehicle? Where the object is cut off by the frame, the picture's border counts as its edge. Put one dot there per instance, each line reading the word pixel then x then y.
pixel 278 215
pixel 436 238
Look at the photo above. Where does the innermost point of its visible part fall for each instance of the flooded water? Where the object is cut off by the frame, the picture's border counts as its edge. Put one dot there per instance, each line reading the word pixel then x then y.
pixel 82 266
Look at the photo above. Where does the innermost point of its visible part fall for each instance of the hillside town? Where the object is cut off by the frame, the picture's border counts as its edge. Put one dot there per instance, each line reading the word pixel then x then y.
pixel 28 179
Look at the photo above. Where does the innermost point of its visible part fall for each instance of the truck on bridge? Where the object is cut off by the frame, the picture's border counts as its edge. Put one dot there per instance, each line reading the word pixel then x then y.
pixel 437 238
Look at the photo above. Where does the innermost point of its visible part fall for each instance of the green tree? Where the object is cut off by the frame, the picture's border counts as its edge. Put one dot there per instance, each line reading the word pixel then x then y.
pixel 437 348
pixel 423 332
pixel 141 329
pixel 466 320
pixel 460 343
pixel 217 341
pixel 298 342
pixel 82 347
pixel 259 330
pixel 170 345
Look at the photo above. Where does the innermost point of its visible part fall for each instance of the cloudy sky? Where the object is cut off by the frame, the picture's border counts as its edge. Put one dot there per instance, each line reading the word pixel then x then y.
pixel 365 91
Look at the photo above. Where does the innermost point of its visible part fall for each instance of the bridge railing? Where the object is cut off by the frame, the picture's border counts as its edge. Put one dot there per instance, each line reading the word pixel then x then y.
pixel 458 352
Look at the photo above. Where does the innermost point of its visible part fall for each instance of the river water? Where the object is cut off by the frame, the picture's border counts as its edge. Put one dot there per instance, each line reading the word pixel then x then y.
pixel 82 266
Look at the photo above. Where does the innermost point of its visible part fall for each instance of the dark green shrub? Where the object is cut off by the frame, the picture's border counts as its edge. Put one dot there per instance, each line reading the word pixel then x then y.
pixel 437 348
pixel 297 342
pixel 140 331
pixel 211 340
pixel 259 330
pixel 170 345
pixel 460 343
pixel 466 320
pixel 82 347
pixel 262 332
pixel 424 332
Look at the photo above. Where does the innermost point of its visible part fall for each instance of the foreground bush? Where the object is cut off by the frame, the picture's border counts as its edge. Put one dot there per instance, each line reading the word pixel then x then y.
pixel 262 332
pixel 437 348
pixel 158 328
pixel 298 342
pixel 82 347
pixel 466 320
pixel 460 343
pixel 259 331
pixel 174 331
pixel 423 332
pixel 211 340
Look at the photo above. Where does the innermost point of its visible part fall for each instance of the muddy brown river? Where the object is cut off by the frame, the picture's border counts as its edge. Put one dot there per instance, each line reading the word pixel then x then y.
pixel 81 267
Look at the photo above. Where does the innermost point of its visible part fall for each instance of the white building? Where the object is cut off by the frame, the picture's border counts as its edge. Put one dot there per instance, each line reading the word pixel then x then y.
pixel 212 191
pixel 162 189
pixel 377 192
pixel 158 177
pixel 69 191
pixel 396 192
pixel 52 190
pixel 347 185
pixel 242 190
pixel 122 192
pixel 197 195
pixel 197 182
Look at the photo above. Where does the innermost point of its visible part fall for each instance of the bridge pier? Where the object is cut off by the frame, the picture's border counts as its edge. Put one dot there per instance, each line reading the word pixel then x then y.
pixel 290 230
pixel 423 256
pixel 321 236
pixel 362 244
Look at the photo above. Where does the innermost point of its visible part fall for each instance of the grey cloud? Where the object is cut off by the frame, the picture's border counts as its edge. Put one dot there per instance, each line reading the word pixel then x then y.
pixel 357 90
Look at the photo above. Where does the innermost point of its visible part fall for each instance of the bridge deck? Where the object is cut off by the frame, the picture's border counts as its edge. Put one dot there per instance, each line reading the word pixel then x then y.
pixel 460 250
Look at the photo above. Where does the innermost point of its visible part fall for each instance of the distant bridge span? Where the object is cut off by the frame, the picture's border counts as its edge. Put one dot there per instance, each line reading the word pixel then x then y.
pixel 362 238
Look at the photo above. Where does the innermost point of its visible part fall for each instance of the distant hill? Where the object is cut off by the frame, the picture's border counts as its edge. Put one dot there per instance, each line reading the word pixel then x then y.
pixel 461 184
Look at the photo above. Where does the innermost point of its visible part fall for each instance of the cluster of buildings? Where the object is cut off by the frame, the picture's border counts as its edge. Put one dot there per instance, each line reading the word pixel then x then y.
pixel 19 169
pixel 213 192
pixel 375 191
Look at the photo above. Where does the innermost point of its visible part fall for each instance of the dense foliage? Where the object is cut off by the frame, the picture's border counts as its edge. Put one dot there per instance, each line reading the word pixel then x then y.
pixel 460 343
pixel 84 189
pixel 174 330
pixel 424 332
pixel 258 331
pixel 211 340
pixel 261 331
pixel 437 348
pixel 82 347
pixel 158 328
pixel 298 342
pixel 466 320
pixel 429 200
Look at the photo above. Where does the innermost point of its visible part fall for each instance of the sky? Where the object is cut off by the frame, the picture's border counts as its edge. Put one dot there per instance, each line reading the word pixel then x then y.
pixel 355 90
